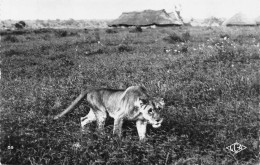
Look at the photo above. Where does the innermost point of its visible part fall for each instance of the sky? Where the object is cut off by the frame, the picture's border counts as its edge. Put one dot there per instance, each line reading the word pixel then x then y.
pixel 111 9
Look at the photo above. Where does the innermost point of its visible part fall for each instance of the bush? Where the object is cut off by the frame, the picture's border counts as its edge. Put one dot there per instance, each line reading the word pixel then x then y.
pixel 184 49
pixel 22 23
pixel 18 26
pixel 10 38
pixel 173 38
pixel 61 33
pixel 13 32
pixel 186 36
pixel 124 48
pixel 109 31
pixel 224 36
pixel 73 34
pixel 137 29
pixel 12 52
pixel 94 52
pixel 45 30
pixel 86 30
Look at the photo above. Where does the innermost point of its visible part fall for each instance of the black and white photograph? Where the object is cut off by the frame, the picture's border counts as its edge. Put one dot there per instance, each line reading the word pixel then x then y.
pixel 130 82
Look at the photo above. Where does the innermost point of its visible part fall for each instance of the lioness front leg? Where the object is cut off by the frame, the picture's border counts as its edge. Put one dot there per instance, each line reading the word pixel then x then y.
pixel 101 118
pixel 117 130
pixel 141 129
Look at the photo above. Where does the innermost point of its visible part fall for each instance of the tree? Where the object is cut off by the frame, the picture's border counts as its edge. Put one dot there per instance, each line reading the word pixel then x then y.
pixel 212 20
pixel 20 25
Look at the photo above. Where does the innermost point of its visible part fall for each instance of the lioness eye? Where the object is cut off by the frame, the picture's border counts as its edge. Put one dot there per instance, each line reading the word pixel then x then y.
pixel 150 111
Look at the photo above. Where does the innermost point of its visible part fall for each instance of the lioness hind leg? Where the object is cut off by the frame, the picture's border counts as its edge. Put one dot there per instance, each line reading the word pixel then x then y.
pixel 89 118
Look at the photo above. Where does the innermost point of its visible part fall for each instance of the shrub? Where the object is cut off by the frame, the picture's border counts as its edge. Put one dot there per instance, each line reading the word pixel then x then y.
pixel 173 38
pixel 225 54
pixel 94 52
pixel 22 23
pixel 61 33
pixel 46 36
pixel 186 36
pixel 137 29
pixel 124 48
pixel 10 38
pixel 111 31
pixel 97 35
pixel 73 34
pixel 184 49
pixel 12 52
pixel 13 32
pixel 224 36
pixel 86 30
pixel 45 30
pixel 18 26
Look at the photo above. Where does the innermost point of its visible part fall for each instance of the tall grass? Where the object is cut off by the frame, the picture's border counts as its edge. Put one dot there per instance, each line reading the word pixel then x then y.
pixel 211 91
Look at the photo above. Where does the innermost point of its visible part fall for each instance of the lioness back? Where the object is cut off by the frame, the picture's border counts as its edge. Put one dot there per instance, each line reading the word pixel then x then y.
pixel 107 98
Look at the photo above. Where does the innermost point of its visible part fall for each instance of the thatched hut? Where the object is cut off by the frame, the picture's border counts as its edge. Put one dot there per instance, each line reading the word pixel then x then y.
pixel 239 19
pixel 257 20
pixel 145 18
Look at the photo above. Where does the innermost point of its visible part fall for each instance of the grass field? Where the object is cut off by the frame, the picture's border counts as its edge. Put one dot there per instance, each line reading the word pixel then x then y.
pixel 210 80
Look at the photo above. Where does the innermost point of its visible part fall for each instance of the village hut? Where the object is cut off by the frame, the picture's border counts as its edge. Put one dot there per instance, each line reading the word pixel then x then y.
pixel 145 18
pixel 239 19
pixel 257 20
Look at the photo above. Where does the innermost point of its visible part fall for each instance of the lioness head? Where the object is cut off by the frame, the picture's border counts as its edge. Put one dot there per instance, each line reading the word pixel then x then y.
pixel 149 110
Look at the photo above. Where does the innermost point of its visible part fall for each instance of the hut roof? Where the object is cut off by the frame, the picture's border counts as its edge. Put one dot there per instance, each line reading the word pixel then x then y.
pixel 144 18
pixel 257 20
pixel 239 19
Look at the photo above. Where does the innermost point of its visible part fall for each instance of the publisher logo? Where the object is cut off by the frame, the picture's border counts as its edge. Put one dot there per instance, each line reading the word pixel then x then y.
pixel 236 148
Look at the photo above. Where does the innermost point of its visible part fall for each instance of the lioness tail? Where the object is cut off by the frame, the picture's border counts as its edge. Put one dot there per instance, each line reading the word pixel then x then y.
pixel 72 105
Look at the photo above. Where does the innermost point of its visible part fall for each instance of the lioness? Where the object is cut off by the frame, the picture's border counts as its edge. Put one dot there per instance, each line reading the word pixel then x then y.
pixel 130 104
